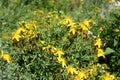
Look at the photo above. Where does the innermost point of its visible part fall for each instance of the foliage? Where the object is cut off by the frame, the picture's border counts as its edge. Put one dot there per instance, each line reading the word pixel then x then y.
pixel 112 40
pixel 59 40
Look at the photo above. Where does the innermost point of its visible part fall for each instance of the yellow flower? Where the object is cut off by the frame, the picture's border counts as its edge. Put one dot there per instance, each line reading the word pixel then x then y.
pixel 60 52
pixel 107 76
pixel 16 37
pixel 71 24
pixel 62 60
pixel 67 21
pixel 20 30
pixel 85 25
pixel 81 75
pixel 53 50
pixel 5 56
pixel 100 53
pixel 86 22
pixel 73 30
pixel 71 70
pixel 98 43
pixel 18 33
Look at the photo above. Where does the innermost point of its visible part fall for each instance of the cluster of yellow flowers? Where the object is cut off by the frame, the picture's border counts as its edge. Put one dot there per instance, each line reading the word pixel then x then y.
pixel 58 52
pixel 69 23
pixel 85 25
pixel 74 73
pixel 93 71
pixel 99 44
pixel 24 31
pixel 80 75
pixel 77 74
pixel 107 76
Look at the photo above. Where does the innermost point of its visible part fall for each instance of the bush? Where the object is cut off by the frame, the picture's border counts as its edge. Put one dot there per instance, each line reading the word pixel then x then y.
pixel 42 40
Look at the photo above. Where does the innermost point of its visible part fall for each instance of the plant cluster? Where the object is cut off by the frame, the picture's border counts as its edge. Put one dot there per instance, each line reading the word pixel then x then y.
pixel 49 42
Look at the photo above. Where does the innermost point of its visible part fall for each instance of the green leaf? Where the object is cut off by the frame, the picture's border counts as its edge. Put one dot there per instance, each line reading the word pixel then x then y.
pixel 115 42
pixel 109 51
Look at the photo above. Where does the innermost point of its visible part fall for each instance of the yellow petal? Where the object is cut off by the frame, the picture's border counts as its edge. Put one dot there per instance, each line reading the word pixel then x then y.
pixel 81 75
pixel 5 56
pixel 71 70
pixel 60 53
pixel 100 53
pixel 16 37
pixel 62 60
pixel 83 27
pixel 73 30
pixel 98 43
